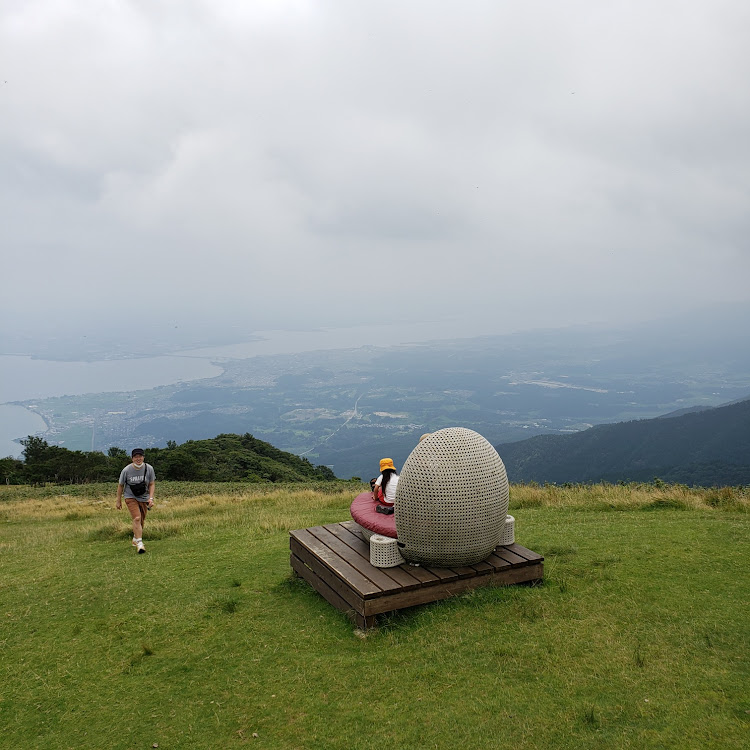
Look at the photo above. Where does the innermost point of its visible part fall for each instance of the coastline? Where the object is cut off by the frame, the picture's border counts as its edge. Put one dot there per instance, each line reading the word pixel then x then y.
pixel 17 423
pixel 26 380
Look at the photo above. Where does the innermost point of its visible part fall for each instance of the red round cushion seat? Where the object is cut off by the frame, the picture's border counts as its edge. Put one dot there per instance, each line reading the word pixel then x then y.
pixel 364 513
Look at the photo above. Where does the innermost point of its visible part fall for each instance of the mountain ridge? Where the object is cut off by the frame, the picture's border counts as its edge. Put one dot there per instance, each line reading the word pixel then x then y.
pixel 705 448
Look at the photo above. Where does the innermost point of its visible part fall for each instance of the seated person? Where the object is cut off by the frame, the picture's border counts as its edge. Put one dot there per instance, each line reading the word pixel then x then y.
pixel 384 487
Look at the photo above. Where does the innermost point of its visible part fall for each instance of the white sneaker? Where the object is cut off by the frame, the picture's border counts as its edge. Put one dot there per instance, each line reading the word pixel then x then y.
pixel 141 548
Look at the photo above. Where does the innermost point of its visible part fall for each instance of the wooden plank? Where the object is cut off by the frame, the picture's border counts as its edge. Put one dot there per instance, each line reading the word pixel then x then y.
pixel 381 581
pixel 525 553
pixel 355 541
pixel 526 574
pixel 416 576
pixel 332 560
pixel 442 574
pixel 425 595
pixel 400 574
pixel 402 577
pixel 483 567
pixel 357 558
pixel 335 560
pixel 353 526
pixel 510 556
pixel 497 562
pixel 365 622
pixel 425 576
pixel 320 586
pixel 331 579
pixel 464 571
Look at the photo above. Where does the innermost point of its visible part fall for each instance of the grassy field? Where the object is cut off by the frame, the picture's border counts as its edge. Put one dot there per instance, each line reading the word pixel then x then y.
pixel 638 638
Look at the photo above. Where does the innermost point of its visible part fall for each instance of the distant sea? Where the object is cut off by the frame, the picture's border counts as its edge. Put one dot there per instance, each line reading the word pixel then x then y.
pixel 15 421
pixel 393 334
pixel 23 378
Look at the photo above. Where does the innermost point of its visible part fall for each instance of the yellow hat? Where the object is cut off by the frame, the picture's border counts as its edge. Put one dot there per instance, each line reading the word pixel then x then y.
pixel 386 463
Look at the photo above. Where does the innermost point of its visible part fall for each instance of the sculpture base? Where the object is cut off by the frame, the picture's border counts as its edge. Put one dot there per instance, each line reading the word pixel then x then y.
pixel 335 561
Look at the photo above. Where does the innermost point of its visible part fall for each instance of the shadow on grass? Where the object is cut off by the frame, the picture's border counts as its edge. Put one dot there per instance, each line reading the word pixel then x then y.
pixel 293 584
pixel 75 515
pixel 517 597
pixel 114 531
pixel 559 551
pixel 667 503
pixel 606 561
pixel 589 718
pixel 137 659
pixel 227 605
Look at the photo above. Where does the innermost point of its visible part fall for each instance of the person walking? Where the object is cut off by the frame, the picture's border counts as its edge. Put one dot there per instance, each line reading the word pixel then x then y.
pixel 137 482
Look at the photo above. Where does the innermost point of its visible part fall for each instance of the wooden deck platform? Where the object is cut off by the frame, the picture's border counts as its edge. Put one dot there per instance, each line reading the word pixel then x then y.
pixel 335 561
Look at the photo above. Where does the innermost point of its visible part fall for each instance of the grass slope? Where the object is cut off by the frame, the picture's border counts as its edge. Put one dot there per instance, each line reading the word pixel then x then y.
pixel 637 639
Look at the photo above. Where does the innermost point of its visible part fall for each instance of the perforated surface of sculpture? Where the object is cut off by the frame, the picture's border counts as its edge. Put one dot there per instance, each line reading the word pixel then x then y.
pixel 451 500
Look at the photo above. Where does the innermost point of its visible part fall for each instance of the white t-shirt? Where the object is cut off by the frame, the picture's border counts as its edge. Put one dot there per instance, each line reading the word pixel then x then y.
pixel 390 490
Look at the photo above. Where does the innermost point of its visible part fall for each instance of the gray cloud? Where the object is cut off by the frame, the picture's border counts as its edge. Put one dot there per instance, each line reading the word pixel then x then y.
pixel 539 163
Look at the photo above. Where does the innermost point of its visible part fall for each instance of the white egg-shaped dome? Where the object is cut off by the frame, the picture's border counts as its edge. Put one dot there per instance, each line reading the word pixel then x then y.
pixel 451 499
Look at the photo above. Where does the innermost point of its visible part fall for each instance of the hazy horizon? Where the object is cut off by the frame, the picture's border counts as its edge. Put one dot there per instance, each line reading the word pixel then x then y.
pixel 294 164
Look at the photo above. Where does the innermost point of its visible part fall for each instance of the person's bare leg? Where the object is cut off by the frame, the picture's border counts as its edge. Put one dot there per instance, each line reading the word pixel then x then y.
pixel 142 511
pixel 137 522
pixel 137 516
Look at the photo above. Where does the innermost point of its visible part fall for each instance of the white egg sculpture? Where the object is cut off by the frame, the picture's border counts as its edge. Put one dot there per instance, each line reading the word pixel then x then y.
pixel 451 500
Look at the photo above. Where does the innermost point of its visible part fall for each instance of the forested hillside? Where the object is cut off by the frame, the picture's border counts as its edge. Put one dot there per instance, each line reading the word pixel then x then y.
pixel 220 459
pixel 706 448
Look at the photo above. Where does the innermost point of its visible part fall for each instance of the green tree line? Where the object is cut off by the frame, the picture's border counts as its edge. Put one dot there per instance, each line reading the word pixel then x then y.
pixel 221 459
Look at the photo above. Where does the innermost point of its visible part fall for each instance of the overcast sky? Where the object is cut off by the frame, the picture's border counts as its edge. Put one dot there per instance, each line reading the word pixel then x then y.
pixel 331 163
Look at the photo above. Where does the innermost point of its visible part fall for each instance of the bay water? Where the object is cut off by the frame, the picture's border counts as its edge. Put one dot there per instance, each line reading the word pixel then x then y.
pixel 24 379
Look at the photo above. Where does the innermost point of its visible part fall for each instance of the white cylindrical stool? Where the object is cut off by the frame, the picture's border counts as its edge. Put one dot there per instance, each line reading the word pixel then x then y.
pixel 384 552
pixel 508 532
